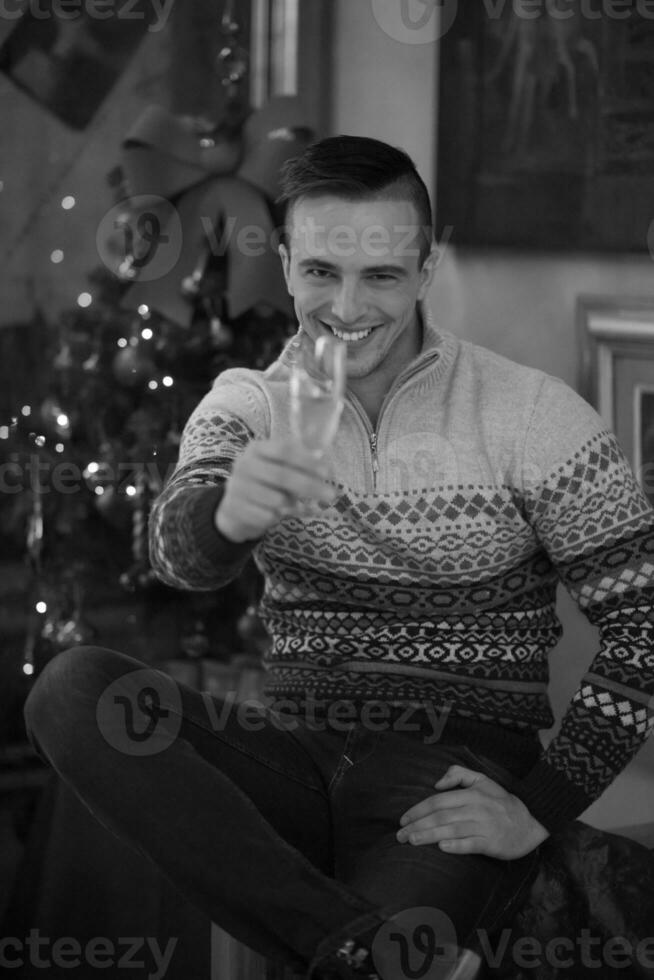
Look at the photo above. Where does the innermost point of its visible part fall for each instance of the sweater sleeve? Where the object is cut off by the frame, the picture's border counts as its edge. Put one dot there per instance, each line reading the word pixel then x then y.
pixel 592 518
pixel 187 550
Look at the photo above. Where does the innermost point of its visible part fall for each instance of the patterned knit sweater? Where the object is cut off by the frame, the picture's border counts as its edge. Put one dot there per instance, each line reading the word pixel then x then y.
pixel 432 577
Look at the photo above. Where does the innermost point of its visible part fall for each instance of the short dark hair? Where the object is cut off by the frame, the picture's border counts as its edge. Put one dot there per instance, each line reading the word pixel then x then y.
pixel 357 168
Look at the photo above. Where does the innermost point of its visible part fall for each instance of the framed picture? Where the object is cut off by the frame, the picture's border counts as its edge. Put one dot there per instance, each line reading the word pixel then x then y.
pixel 617 374
pixel 546 116
pixel 68 60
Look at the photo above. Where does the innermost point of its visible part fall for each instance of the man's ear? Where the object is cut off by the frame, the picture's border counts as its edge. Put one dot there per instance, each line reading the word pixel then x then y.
pixel 285 256
pixel 429 270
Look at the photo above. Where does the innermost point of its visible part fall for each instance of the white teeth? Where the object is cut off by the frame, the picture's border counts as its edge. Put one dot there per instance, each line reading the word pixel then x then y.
pixel 350 337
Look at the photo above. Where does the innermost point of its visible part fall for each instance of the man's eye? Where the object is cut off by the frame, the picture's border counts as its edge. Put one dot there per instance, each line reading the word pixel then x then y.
pixel 382 277
pixel 318 273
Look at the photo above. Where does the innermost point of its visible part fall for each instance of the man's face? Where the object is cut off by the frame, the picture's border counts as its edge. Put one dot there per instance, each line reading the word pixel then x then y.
pixel 353 268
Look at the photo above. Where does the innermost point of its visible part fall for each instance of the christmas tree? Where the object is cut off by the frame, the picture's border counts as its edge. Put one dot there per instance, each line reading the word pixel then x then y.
pixel 92 406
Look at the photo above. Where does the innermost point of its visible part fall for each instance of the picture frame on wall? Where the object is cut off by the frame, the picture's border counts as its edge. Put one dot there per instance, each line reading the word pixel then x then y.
pixel 617 374
pixel 69 63
pixel 545 127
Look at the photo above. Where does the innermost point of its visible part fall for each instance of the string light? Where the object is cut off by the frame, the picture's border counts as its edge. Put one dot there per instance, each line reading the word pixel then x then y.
pixel 4 431
pixel 39 441
pixel 68 202
pixel 122 342
pixel 41 607
pixel 26 410
pixel 63 420
pixel 28 667
pixel 153 385
pixel 167 381
pixel 130 490
pixel 57 256
pixel 144 311
pixel 92 468
pixel 146 333
pixel 84 300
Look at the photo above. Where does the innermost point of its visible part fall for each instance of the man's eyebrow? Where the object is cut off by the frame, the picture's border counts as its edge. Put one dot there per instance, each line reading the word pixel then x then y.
pixel 387 269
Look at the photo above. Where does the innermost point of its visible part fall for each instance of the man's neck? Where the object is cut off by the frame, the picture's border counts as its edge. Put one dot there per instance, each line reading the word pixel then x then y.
pixel 372 389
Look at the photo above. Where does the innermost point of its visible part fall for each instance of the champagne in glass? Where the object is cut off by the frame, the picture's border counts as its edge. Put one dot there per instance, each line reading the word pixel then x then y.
pixel 317 392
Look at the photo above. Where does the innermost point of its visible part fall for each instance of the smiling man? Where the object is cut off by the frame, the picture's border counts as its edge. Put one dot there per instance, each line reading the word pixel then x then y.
pixel 337 834
pixel 357 270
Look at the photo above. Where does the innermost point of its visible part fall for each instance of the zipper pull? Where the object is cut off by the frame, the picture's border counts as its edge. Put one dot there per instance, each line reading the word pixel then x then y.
pixel 375 461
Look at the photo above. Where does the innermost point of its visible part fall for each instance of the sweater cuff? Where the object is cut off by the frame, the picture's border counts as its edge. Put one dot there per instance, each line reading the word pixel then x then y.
pixel 214 547
pixel 550 797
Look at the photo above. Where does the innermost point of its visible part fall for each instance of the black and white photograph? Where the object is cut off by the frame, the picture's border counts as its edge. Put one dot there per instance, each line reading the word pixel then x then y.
pixel 327 489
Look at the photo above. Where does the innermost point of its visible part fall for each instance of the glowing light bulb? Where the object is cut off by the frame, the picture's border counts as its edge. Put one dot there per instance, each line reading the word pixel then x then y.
pixel 167 381
pixel 153 385
pixel 28 668
pixel 62 420
pixel 146 333
pixel 26 410
pixel 68 202
pixel 4 431
pixel 84 300
pixel 122 342
pixel 57 256
pixel 130 490
pixel 59 448
pixel 92 468
pixel 41 607
pixel 144 310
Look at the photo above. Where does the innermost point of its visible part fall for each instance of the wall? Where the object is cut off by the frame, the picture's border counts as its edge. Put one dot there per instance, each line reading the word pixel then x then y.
pixel 522 306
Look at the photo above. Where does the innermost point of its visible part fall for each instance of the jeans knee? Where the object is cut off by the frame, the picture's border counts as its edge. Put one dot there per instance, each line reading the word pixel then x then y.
pixel 69 684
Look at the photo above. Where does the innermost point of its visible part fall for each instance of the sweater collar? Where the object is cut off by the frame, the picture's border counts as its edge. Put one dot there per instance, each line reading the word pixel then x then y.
pixel 437 347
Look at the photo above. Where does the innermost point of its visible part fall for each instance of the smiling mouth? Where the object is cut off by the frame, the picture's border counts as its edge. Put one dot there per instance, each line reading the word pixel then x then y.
pixel 349 336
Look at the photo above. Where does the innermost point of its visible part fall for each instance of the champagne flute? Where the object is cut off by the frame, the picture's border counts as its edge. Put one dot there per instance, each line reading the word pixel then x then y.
pixel 317 391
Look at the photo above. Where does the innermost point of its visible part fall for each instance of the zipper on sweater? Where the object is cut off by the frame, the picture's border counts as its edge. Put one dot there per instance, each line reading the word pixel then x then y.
pixel 356 404
pixel 375 461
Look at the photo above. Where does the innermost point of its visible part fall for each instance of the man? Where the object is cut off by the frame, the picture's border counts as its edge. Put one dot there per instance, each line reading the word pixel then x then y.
pixel 410 572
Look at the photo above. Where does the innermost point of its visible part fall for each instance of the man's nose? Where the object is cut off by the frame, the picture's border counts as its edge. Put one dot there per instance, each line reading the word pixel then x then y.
pixel 346 303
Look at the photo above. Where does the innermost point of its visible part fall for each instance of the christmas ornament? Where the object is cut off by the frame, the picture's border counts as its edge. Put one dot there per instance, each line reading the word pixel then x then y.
pixel 74 632
pixel 222 336
pixel 195 644
pixel 55 419
pixel 132 366
pixel 139 577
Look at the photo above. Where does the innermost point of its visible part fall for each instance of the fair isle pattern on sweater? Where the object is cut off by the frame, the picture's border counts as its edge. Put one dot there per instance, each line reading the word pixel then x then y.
pixel 429 588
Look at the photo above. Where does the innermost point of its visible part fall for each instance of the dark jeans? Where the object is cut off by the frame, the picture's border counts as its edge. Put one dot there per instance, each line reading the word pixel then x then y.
pixel 281 829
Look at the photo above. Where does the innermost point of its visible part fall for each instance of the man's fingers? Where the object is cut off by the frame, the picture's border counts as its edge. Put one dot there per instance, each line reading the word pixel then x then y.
pixel 459 776
pixel 438 801
pixel 289 479
pixel 441 818
pixel 425 833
